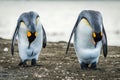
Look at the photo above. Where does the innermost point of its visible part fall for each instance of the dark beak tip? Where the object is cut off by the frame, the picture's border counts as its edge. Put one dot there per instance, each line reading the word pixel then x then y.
pixel 95 44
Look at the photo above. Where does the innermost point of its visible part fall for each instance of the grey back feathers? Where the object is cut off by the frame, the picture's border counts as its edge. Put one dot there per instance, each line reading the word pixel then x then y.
pixel 95 20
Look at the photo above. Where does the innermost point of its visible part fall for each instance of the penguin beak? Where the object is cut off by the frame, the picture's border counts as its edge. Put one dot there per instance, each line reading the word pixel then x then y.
pixel 95 44
pixel 31 37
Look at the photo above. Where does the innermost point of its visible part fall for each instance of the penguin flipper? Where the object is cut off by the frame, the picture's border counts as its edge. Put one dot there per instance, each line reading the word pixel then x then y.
pixel 44 38
pixel 70 40
pixel 14 38
pixel 76 24
pixel 104 43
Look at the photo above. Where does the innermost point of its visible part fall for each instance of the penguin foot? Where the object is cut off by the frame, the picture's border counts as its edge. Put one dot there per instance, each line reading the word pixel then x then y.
pixel 93 66
pixel 84 66
pixel 33 63
pixel 22 64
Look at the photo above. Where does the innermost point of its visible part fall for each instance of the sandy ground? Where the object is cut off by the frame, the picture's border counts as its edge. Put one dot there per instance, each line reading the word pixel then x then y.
pixel 56 65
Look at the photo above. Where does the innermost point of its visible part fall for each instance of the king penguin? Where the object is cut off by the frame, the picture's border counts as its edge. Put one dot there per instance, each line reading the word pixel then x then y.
pixel 89 38
pixel 31 37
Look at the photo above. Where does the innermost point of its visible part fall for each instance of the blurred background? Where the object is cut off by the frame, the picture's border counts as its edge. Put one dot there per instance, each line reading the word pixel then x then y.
pixel 58 17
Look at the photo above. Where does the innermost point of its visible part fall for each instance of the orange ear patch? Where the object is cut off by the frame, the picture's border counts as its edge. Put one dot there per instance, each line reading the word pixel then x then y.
pixel 29 34
pixel 36 33
pixel 94 35
pixel 101 34
pixel 85 21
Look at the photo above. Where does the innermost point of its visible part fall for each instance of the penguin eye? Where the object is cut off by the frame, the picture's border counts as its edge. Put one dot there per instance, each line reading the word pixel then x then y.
pixel 85 21
pixel 29 34
pixel 22 23
pixel 36 33
pixel 37 20
pixel 94 35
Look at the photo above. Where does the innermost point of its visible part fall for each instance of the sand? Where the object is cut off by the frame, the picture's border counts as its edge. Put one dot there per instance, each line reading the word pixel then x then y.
pixel 56 65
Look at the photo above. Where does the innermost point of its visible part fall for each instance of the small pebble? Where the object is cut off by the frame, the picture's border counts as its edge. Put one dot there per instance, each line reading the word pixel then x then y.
pixel 68 63
pixel 26 76
pixel 1 60
pixel 67 72
pixel 39 76
pixel 5 49
pixel 57 76
pixel 56 68
pixel 59 66
pixel 83 74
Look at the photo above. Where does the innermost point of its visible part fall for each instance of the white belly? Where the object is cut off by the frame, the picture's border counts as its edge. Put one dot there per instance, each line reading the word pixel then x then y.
pixel 84 45
pixel 26 53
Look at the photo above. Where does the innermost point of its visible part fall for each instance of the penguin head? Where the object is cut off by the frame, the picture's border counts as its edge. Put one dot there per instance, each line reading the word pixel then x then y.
pixel 30 20
pixel 94 20
pixel 96 23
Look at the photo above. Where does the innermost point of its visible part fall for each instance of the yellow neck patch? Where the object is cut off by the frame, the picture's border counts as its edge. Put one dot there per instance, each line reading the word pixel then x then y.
pixel 37 20
pixel 101 34
pixel 85 22
pixel 22 24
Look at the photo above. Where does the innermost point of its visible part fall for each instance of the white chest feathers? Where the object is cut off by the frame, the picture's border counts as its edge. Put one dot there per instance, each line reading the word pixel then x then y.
pixel 84 44
pixel 35 47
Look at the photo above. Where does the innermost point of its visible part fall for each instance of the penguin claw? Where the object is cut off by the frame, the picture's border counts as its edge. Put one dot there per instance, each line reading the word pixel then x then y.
pixel 93 66
pixel 36 65
pixel 33 63
pixel 84 66
pixel 23 64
